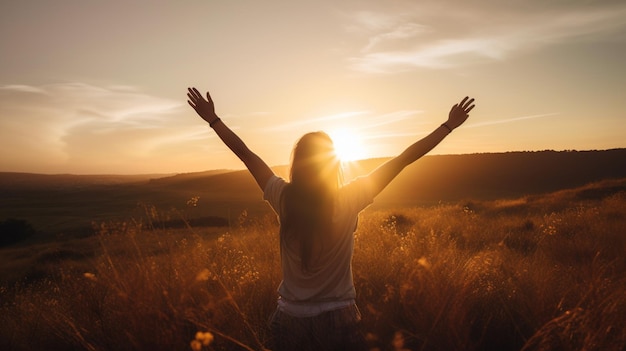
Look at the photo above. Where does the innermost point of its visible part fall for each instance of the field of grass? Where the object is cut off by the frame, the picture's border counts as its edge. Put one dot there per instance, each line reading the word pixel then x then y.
pixel 543 272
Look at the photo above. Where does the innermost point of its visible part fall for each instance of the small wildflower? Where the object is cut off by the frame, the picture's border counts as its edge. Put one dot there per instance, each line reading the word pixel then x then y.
pixel 90 276
pixel 204 275
pixel 196 345
pixel 424 262
pixel 193 202
pixel 202 339
pixel 207 338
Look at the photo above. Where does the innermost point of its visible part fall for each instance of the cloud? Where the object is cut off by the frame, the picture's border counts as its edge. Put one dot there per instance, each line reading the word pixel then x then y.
pixel 333 117
pixel 22 88
pixel 509 120
pixel 401 32
pixel 74 124
pixel 370 125
pixel 385 28
pixel 390 118
pixel 451 39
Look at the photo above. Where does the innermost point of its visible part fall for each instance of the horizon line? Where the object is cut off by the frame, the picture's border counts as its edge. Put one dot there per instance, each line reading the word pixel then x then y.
pixel 227 170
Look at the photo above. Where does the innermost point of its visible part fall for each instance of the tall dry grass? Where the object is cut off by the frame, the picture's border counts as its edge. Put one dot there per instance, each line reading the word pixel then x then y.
pixel 149 289
pixel 498 276
pixel 537 273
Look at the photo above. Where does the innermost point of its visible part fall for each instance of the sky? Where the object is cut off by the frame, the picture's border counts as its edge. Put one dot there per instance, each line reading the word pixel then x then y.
pixel 99 87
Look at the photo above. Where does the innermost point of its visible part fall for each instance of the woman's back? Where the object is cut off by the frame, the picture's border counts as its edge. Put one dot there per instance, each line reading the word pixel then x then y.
pixel 330 275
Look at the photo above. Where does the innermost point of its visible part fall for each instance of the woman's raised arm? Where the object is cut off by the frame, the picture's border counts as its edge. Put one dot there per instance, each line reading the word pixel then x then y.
pixel 206 109
pixel 383 175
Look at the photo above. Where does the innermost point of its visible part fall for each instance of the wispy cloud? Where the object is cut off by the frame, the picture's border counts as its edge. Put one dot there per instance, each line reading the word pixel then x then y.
pixel 393 125
pixel 22 88
pixel 509 120
pixel 303 122
pixel 76 122
pixel 367 123
pixel 407 42
pixel 390 118
pixel 391 136
pixel 402 31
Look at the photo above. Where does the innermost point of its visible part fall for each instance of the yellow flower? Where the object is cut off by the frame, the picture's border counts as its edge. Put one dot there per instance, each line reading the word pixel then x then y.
pixel 202 339
pixel 207 339
pixel 424 262
pixel 196 345
pixel 204 275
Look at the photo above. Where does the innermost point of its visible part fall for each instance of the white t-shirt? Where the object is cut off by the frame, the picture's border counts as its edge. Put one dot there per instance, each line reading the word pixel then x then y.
pixel 332 278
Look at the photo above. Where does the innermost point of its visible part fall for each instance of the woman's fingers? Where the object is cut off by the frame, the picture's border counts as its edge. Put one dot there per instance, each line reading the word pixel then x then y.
pixel 196 99
pixel 466 105
pixel 463 101
pixel 191 104
pixel 195 95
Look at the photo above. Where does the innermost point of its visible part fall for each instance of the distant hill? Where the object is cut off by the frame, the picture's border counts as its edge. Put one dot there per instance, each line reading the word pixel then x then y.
pixel 57 203
pixel 501 175
pixel 23 181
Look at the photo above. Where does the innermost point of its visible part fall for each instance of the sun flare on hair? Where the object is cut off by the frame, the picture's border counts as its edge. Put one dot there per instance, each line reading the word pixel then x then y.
pixel 349 145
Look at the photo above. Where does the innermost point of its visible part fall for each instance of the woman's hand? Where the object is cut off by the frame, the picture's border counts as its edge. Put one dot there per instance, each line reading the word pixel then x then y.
pixel 460 112
pixel 205 108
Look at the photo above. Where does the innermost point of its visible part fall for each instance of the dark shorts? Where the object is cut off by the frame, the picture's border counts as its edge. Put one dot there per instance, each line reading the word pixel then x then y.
pixel 332 330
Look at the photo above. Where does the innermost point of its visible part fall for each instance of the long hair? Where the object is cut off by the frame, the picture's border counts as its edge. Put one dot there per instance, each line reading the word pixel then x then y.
pixel 308 199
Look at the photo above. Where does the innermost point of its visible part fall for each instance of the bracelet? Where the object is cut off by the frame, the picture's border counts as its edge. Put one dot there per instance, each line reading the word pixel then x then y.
pixel 448 128
pixel 214 121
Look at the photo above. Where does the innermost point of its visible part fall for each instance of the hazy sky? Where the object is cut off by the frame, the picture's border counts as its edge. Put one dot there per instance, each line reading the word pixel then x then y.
pixel 98 87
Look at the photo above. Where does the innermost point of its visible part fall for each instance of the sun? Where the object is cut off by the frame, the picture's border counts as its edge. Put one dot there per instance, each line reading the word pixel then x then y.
pixel 349 145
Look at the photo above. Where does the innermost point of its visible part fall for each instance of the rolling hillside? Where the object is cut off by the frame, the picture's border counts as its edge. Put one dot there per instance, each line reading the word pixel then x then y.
pixel 66 203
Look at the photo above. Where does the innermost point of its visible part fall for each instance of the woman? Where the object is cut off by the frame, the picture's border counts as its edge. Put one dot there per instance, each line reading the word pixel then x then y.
pixel 318 216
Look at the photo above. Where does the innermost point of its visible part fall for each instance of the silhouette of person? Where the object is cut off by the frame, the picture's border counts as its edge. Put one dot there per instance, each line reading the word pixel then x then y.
pixel 318 216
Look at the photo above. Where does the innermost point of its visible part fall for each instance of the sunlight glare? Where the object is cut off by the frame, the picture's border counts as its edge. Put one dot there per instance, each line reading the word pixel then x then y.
pixel 348 145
